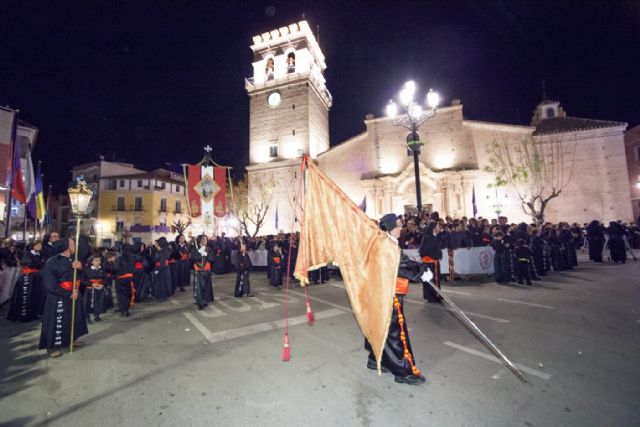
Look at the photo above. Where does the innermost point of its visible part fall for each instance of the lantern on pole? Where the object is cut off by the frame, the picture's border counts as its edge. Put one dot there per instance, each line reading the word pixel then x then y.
pixel 79 197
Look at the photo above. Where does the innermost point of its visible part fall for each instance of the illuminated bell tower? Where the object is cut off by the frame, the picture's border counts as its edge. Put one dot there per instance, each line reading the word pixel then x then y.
pixel 289 115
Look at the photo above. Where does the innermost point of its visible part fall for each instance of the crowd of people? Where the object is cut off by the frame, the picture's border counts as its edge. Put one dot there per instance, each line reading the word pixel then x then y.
pixel 37 280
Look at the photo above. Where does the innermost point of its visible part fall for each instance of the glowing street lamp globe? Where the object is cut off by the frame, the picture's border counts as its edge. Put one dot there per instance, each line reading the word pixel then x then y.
pixel 392 109
pixel 433 98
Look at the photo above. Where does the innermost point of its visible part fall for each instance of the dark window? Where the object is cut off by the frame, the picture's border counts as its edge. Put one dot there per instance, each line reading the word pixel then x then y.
pixel 163 205
pixel 178 188
pixel 637 152
pixel 294 132
pixel 122 183
pixel 273 151
pixel 120 203
pixel 293 107
pixel 138 203
pixel 178 206
pixel 112 184
pixel 550 113
pixel 119 226
pixel 139 183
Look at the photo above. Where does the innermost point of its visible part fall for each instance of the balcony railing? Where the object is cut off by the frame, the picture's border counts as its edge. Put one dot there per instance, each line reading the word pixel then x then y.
pixel 129 208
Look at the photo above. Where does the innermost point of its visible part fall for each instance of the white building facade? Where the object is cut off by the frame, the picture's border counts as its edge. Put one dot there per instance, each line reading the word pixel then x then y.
pixel 376 164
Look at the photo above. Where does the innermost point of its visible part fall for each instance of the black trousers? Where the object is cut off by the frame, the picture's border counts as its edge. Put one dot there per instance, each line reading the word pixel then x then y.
pixel 522 268
pixel 123 290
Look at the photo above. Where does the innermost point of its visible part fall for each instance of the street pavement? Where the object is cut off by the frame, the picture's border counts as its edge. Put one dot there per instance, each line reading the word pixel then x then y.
pixel 575 335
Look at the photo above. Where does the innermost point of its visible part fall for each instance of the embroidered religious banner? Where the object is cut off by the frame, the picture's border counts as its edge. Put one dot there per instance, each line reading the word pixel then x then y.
pixel 334 229
pixel 207 190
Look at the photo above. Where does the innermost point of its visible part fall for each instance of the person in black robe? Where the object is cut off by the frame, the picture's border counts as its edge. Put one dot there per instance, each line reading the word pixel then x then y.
pixel 500 258
pixel 141 267
pixel 397 355
pixel 595 238
pixel 122 270
pixel 431 254
pixel 243 285
pixel 47 245
pixel 183 262
pixel 93 298
pixel 173 268
pixel 161 285
pixel 523 256
pixel 219 259
pixel 568 241
pixel 28 297
pixel 200 255
pixel 57 278
pixel 557 251
pixel 537 248
pixel 276 267
pixel 617 245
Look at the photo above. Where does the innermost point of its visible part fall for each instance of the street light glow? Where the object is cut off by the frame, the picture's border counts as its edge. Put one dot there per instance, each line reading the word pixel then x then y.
pixel 392 109
pixel 410 87
pixel 415 111
pixel 433 98
pixel 406 96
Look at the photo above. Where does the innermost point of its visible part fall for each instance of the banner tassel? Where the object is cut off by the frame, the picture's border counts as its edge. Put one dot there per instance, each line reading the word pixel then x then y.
pixel 310 316
pixel 286 350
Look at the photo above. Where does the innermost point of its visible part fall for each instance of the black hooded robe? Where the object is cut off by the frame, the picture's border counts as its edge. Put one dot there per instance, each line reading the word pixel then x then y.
pixel 27 301
pixel 57 278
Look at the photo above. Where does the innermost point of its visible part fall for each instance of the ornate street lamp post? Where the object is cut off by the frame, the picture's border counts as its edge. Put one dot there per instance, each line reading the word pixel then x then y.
pixel 79 196
pixel 411 116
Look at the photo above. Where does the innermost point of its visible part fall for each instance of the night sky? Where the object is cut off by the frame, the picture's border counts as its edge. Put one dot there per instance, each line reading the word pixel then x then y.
pixel 151 82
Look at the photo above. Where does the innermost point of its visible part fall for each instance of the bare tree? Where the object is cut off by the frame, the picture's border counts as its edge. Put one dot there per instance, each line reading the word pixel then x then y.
pixel 537 169
pixel 252 204
pixel 181 225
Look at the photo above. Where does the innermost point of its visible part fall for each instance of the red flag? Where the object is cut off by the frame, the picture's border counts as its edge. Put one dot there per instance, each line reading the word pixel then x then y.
pixel 193 177
pixel 18 190
pixel 220 199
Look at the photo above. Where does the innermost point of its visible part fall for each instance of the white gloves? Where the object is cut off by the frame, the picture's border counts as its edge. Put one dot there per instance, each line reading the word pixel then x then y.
pixel 427 276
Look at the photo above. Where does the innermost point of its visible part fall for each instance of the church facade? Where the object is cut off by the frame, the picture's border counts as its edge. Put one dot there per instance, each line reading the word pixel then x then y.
pixel 289 115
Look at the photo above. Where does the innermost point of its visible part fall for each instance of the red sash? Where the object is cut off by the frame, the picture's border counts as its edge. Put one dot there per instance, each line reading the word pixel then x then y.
pixel 28 270
pixel 207 267
pixel 402 286
pixel 138 265
pixel 68 285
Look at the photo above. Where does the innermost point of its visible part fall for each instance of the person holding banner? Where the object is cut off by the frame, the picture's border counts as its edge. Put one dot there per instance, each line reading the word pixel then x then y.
pixel 397 356
pixel 431 254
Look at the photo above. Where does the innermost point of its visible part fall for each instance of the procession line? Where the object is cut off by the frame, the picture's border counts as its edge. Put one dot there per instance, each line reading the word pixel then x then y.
pixel 229 334
pixel 532 304
pixel 492 358
pixel 481 316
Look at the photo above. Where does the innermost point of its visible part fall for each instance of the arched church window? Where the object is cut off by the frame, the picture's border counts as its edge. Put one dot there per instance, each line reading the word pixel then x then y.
pixel 269 68
pixel 551 113
pixel 291 62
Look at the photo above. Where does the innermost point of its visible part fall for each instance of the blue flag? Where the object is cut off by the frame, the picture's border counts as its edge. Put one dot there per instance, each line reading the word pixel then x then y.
pixel 363 204
pixel 473 201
